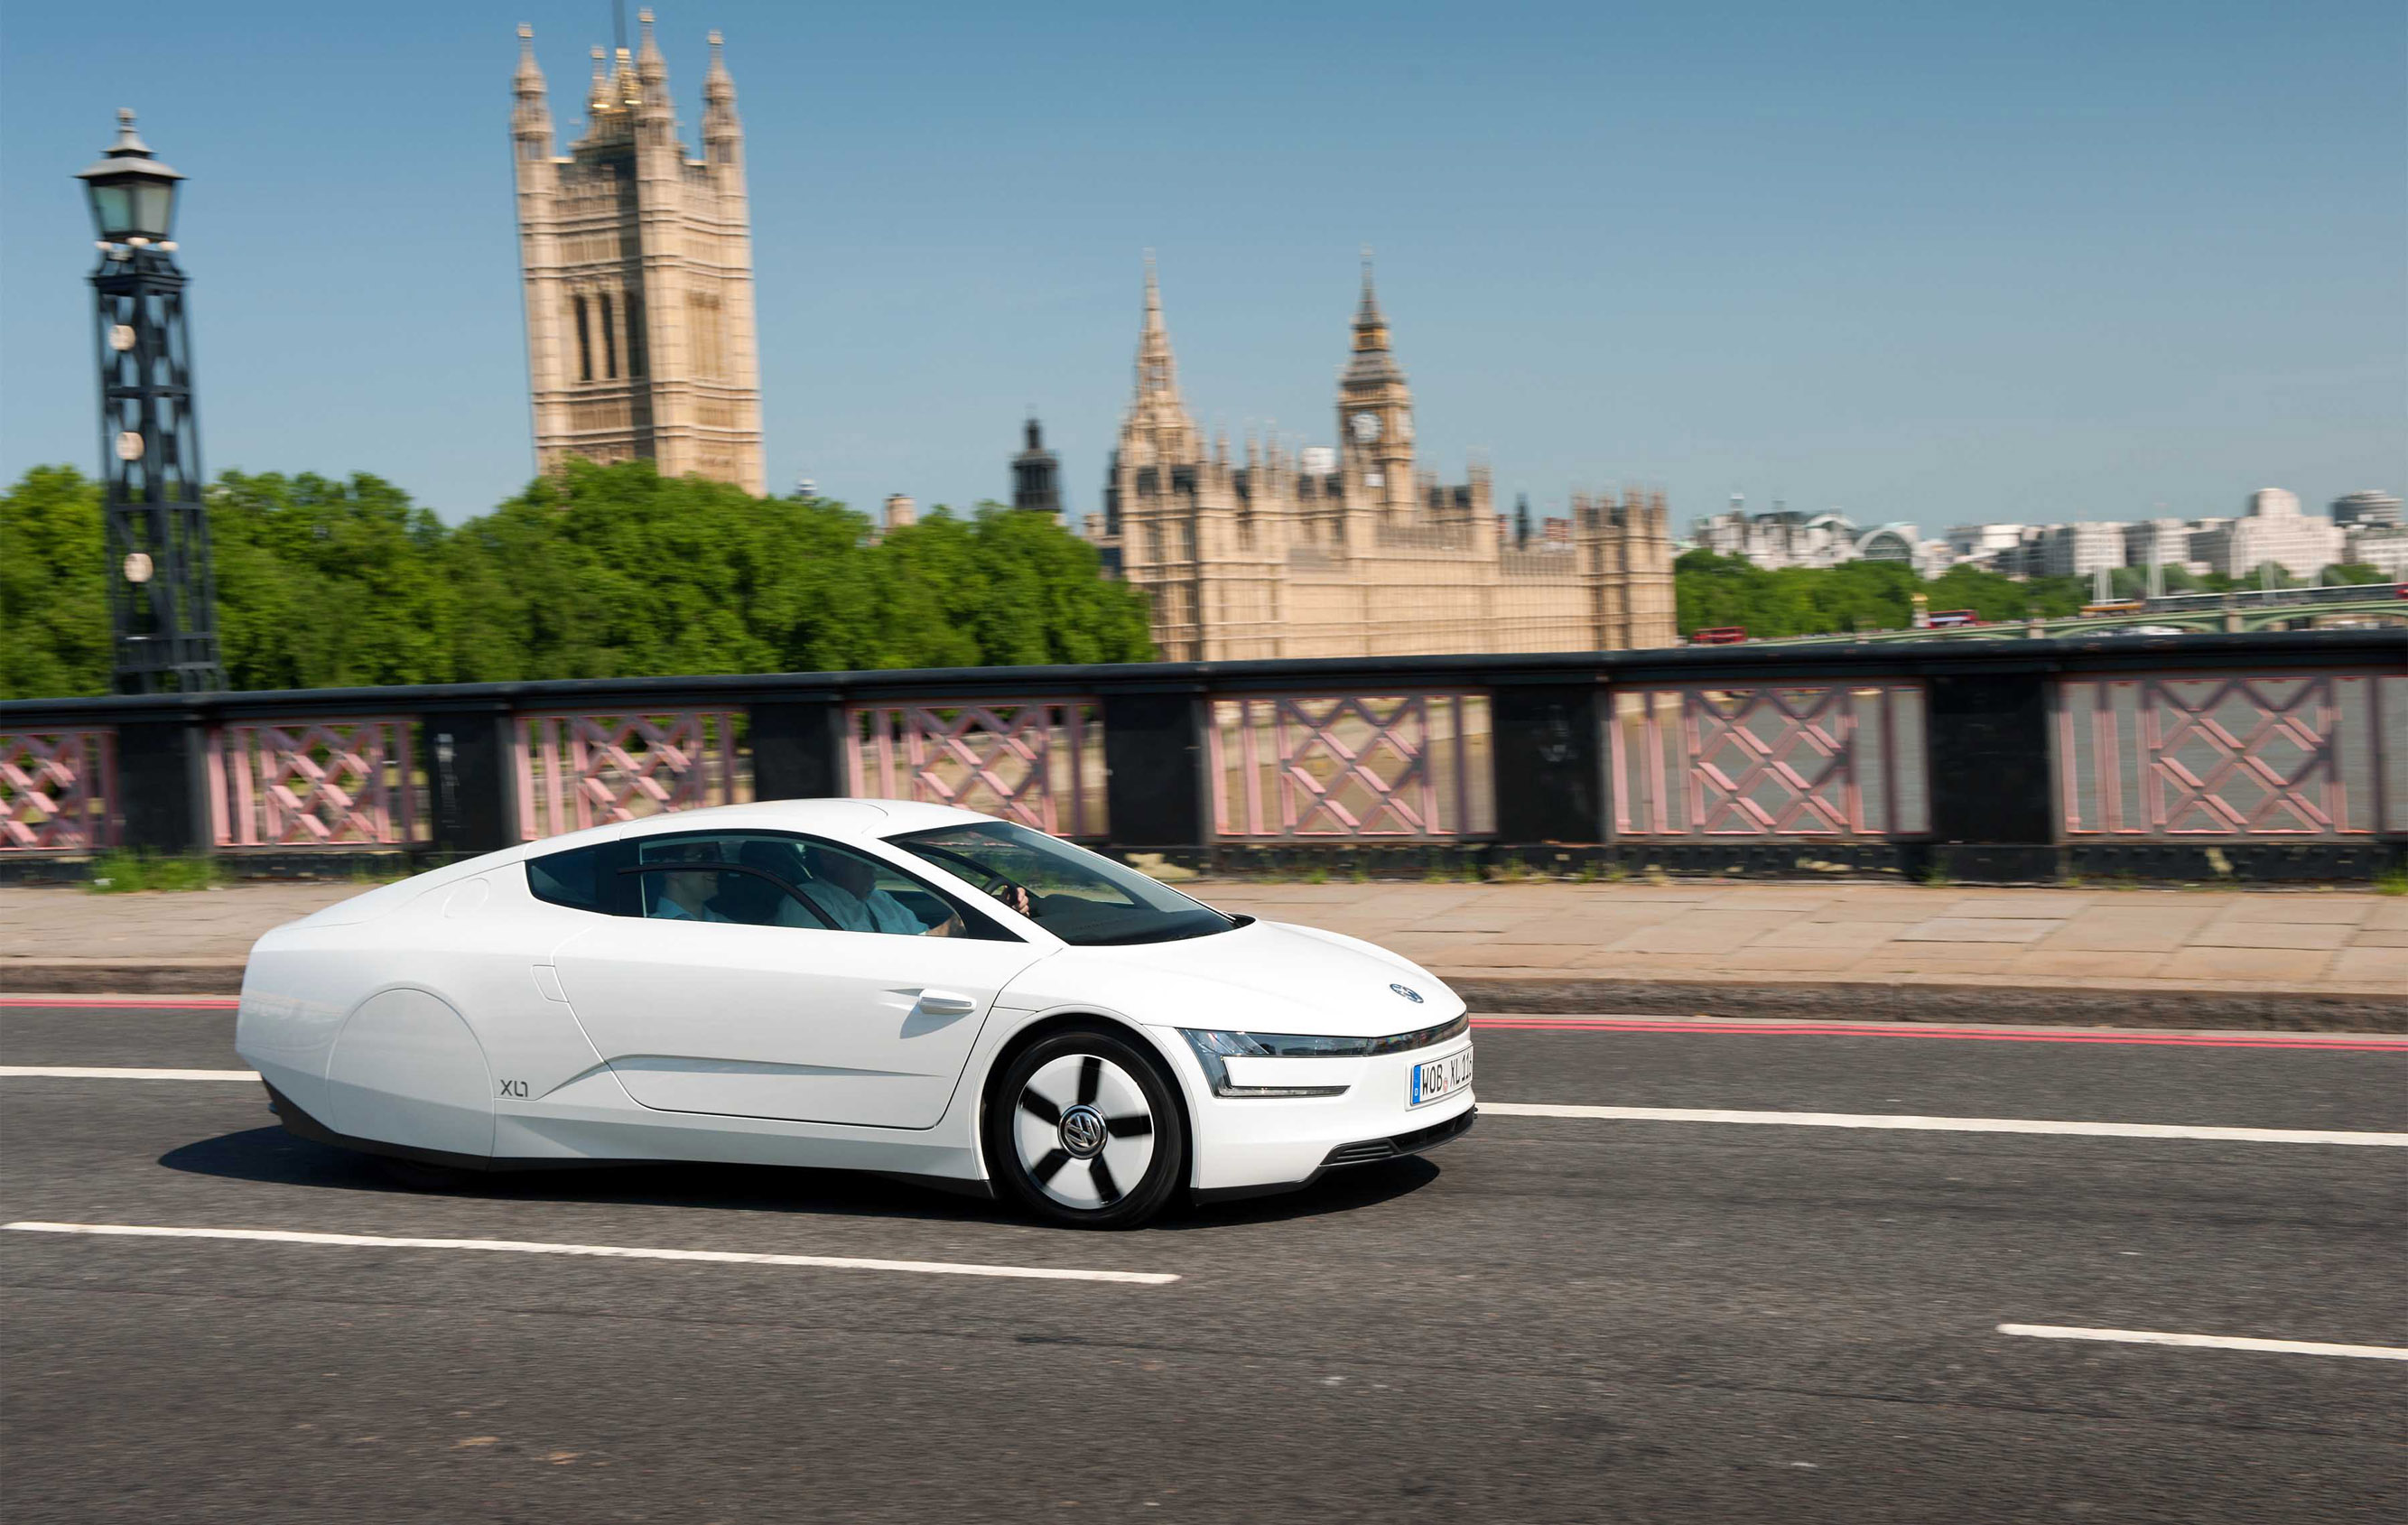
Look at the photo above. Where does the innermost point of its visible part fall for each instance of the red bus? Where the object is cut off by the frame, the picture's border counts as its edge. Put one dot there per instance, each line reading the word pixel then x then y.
pixel 1954 619
pixel 1722 635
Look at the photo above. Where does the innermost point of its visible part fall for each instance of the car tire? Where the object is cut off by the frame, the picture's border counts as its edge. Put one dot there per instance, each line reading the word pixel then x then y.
pixel 1083 1129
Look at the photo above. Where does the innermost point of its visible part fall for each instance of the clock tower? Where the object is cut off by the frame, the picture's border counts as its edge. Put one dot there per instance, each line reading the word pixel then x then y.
pixel 1375 413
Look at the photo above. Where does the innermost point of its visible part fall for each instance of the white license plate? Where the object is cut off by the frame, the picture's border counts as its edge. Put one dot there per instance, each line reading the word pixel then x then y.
pixel 1435 1080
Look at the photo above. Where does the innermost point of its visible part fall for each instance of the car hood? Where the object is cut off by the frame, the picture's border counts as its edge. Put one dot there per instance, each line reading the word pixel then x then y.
pixel 1266 976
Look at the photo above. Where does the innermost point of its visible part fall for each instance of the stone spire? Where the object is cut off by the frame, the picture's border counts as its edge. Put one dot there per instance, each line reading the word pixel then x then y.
pixel 528 81
pixel 531 119
pixel 626 89
pixel 649 65
pixel 1158 374
pixel 1373 360
pixel 720 130
pixel 597 98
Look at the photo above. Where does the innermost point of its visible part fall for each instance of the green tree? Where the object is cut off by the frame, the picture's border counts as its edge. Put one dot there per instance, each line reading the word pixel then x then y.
pixel 605 571
pixel 53 588
pixel 327 584
pixel 2349 573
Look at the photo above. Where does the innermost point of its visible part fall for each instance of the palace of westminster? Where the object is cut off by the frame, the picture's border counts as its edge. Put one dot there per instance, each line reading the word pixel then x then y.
pixel 638 268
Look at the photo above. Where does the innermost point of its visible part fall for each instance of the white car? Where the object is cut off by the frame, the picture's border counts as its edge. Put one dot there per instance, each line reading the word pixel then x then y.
pixel 848 984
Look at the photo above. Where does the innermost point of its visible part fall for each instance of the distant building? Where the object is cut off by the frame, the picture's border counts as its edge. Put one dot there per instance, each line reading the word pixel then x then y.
pixel 2366 509
pixel 901 512
pixel 1357 551
pixel 1787 538
pixel 1983 542
pixel 1037 475
pixel 2383 547
pixel 2078 550
pixel 1783 537
pixel 638 264
pixel 2273 530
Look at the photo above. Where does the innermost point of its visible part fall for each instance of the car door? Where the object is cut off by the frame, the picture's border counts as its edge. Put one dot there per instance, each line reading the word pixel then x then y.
pixel 787 1012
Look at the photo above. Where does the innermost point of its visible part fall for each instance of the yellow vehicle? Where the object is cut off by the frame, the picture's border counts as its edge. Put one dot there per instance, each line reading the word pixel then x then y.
pixel 2113 606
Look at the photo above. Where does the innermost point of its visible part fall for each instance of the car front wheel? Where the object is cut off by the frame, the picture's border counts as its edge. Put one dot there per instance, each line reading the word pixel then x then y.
pixel 1084 1130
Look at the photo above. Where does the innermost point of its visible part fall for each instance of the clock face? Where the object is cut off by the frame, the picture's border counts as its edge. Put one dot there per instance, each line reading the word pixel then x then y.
pixel 1367 426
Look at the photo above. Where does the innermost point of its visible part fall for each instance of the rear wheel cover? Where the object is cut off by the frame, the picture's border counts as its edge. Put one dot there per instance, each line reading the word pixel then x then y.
pixel 1084 1129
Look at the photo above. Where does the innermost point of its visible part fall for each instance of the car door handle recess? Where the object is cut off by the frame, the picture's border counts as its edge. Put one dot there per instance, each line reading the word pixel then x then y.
pixel 946 1003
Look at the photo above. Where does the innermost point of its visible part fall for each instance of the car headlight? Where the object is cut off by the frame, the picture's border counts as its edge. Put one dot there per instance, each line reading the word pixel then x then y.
pixel 1212 1045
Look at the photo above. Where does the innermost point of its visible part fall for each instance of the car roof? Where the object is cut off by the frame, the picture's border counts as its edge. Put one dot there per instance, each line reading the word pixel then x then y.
pixel 837 817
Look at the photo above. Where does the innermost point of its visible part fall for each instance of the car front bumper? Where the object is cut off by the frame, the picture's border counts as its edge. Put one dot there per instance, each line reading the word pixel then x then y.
pixel 1247 1146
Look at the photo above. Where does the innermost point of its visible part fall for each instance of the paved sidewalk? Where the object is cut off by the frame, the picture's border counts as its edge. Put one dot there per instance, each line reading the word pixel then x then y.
pixel 2187 957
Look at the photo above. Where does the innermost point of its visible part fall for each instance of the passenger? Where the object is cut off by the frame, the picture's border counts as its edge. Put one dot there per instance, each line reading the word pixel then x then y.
pixel 846 888
pixel 685 894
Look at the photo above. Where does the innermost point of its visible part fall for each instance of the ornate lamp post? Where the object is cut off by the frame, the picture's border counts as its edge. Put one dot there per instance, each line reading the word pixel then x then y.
pixel 162 604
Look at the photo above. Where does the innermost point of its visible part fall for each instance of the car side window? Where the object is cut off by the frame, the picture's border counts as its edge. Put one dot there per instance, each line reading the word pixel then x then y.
pixel 774 878
pixel 578 879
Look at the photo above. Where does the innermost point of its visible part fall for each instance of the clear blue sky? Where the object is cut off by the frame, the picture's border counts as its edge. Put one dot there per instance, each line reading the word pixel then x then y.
pixel 1933 262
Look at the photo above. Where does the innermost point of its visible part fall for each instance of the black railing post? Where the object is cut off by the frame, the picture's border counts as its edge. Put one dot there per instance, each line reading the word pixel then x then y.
pixel 469 753
pixel 798 748
pixel 162 783
pixel 1993 802
pixel 1157 785
pixel 1547 762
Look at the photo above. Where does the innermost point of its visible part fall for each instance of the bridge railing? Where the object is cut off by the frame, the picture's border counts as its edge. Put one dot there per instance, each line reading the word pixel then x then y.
pixel 2244 754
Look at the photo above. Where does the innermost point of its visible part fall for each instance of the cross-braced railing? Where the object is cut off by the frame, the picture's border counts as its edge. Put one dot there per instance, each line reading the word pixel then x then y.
pixel 581 769
pixel 326 783
pixel 1821 760
pixel 1037 761
pixel 1351 765
pixel 2259 754
pixel 58 791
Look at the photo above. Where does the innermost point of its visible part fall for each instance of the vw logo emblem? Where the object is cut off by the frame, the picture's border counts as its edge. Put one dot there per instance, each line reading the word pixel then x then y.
pixel 1408 992
pixel 1083 1132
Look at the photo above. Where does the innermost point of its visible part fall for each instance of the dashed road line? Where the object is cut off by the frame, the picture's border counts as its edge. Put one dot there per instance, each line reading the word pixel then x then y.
pixel 1949 1125
pixel 1777 1028
pixel 2207 1341
pixel 608 1252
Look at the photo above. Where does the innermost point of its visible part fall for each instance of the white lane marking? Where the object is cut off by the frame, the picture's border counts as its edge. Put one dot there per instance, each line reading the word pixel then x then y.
pixel 2209 1342
pixel 1950 1125
pixel 615 1252
pixel 1641 1114
pixel 73 1072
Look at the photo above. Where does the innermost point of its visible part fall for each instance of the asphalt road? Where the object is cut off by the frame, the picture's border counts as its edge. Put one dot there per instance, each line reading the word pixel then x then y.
pixel 1553 1319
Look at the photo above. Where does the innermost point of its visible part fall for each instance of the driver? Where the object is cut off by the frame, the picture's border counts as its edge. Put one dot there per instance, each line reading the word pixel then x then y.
pixel 847 889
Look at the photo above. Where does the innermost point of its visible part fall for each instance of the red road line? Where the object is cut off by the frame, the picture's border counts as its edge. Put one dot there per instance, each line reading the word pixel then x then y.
pixel 1805 1029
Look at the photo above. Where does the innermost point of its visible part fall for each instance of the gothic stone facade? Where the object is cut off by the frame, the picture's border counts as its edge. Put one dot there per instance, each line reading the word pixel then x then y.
pixel 1284 555
pixel 638 269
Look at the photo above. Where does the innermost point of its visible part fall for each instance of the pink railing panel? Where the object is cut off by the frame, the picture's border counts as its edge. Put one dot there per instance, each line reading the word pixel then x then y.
pixel 1808 760
pixel 324 783
pixel 1038 761
pixel 577 770
pixel 1412 766
pixel 2309 754
pixel 58 791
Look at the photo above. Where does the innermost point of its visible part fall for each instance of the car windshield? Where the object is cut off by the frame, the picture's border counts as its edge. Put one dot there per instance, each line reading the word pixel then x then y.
pixel 1078 896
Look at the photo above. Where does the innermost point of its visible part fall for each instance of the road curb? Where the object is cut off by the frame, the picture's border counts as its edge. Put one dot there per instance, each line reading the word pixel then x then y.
pixel 2089 1006
pixel 123 976
pixel 2084 1006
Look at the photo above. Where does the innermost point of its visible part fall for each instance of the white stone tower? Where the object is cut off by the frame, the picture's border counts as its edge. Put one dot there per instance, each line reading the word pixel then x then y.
pixel 637 262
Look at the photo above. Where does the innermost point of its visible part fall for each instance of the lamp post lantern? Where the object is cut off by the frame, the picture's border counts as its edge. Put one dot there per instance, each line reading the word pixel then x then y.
pixel 162 603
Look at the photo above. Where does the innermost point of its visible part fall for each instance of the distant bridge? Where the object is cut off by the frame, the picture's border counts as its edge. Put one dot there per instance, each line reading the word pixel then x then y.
pixel 2280 609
